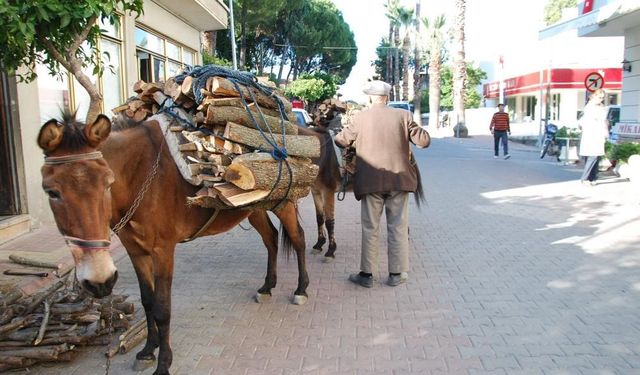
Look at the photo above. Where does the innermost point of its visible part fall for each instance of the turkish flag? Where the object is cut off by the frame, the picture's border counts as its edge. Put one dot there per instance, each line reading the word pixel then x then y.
pixel 587 7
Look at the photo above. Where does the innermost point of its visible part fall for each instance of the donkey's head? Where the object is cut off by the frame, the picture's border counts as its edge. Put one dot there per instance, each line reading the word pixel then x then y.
pixel 77 180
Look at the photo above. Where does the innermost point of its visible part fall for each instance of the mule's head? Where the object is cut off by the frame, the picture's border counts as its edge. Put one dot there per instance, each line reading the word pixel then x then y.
pixel 77 180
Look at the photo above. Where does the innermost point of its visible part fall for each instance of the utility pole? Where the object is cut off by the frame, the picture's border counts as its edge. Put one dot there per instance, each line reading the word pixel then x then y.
pixel 233 37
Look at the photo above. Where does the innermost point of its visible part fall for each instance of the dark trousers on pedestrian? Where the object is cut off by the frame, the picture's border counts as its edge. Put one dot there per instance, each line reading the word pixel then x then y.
pixel 591 166
pixel 497 137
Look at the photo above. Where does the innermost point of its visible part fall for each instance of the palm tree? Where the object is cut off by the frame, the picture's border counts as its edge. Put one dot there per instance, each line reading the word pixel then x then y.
pixel 417 82
pixel 459 69
pixel 392 14
pixel 435 46
pixel 405 19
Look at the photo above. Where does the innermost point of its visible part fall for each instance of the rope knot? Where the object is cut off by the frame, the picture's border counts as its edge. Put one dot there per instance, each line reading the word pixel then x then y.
pixel 279 153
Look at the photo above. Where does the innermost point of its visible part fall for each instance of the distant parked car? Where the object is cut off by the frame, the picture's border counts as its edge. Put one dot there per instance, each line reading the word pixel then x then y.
pixel 401 105
pixel 302 117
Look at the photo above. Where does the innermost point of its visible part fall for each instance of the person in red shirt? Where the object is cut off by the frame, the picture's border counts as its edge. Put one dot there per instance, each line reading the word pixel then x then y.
pixel 500 129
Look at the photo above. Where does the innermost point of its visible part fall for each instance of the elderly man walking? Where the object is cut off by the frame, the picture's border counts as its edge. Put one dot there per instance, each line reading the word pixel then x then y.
pixel 385 175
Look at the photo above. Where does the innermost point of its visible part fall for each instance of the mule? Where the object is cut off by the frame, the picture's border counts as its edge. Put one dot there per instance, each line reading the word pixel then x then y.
pixel 323 191
pixel 126 179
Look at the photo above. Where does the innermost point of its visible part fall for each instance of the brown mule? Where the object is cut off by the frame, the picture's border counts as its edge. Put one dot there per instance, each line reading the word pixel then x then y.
pixel 95 177
pixel 324 191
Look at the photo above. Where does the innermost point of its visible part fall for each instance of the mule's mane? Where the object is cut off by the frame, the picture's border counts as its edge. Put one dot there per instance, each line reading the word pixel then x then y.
pixel 73 135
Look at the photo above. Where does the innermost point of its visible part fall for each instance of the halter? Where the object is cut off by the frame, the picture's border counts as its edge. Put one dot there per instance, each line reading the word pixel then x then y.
pixel 56 160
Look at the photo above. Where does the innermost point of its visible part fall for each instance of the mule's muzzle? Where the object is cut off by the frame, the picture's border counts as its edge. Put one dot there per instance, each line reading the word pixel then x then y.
pixel 100 290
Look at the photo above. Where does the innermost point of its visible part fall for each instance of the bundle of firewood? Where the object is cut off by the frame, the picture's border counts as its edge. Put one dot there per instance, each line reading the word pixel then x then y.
pixel 226 136
pixel 325 113
pixel 47 326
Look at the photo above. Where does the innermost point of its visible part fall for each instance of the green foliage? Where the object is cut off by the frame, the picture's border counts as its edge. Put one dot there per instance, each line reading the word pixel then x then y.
pixel 312 87
pixel 553 10
pixel 52 32
pixel 472 97
pixel 565 132
pixel 622 151
pixel 210 59
pixel 380 64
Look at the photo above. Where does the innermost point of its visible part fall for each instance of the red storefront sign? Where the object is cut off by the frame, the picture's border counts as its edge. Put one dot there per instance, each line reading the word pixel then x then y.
pixel 559 79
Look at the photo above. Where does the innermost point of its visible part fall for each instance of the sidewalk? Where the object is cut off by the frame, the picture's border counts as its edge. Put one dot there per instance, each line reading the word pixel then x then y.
pixel 516 268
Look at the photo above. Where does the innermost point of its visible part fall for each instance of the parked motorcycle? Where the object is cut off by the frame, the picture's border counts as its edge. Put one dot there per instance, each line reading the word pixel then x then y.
pixel 549 145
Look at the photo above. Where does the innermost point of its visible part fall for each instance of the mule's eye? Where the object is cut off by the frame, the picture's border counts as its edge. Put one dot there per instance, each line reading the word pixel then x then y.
pixel 53 194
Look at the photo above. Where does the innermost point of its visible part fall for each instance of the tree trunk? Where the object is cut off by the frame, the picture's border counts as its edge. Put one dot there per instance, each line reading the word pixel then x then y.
pixel 434 90
pixel 406 48
pixel 396 58
pixel 389 72
pixel 209 39
pixel 459 69
pixel 417 82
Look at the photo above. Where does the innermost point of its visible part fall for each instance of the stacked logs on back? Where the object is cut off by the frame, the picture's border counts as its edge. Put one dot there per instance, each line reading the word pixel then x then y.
pixel 326 113
pixel 227 154
pixel 47 326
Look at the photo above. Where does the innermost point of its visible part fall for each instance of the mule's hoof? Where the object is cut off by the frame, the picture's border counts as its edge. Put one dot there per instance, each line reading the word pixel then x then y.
pixel 262 297
pixel 300 300
pixel 328 259
pixel 143 364
pixel 315 251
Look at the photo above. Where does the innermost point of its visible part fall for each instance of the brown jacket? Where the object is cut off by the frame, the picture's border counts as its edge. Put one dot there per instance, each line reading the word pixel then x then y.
pixel 381 136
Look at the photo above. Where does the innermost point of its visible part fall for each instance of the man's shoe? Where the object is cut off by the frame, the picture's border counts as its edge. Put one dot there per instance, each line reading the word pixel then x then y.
pixel 507 156
pixel 395 280
pixel 363 281
pixel 495 156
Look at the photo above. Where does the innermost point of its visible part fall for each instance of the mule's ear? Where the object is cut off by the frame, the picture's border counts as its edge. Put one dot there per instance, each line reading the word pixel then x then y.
pixel 50 136
pixel 97 132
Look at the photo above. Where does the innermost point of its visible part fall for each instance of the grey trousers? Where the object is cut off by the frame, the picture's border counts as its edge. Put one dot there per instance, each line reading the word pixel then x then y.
pixel 396 209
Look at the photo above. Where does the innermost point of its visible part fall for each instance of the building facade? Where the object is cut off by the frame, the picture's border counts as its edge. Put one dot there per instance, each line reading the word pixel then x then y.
pixel 612 18
pixel 152 47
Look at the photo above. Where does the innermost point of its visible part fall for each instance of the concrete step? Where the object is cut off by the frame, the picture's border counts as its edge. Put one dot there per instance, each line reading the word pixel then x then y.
pixel 13 226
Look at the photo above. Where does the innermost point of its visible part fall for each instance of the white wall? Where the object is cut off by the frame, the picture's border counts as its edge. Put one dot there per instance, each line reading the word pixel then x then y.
pixel 630 108
pixel 30 123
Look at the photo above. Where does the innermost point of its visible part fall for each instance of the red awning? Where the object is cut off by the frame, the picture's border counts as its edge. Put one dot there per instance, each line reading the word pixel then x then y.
pixel 560 79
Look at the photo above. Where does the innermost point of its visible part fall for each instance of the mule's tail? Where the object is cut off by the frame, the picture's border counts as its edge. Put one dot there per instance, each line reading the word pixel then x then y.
pixel 419 193
pixel 286 242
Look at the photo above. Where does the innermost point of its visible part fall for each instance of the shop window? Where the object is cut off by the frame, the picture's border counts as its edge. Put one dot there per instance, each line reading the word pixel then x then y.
pixel 158 57
pixel 530 107
pixel 612 99
pixel 555 107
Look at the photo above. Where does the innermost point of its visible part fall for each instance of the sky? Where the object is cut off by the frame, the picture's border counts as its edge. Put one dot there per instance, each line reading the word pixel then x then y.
pixel 493 28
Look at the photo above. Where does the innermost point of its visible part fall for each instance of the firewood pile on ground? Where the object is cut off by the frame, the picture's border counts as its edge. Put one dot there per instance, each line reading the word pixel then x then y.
pixel 50 325
pixel 233 136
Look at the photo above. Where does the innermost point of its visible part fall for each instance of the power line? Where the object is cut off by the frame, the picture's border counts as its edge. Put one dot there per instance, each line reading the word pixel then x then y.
pixel 299 46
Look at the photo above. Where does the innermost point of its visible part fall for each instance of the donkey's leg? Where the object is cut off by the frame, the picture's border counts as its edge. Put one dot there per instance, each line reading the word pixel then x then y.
pixel 163 272
pixel 318 202
pixel 329 212
pixel 143 266
pixel 288 216
pixel 259 219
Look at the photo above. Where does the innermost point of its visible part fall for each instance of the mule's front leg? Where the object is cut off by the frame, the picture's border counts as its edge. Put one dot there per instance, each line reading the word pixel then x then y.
pixel 143 266
pixel 329 214
pixel 162 310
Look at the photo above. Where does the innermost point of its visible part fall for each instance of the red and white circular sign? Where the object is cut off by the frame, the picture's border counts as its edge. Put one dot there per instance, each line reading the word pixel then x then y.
pixel 594 81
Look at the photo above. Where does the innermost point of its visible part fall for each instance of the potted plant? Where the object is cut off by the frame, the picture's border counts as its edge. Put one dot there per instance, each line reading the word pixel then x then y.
pixel 621 153
pixel 568 140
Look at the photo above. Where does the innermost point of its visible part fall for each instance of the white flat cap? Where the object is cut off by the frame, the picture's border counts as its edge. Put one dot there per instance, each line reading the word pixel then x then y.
pixel 379 88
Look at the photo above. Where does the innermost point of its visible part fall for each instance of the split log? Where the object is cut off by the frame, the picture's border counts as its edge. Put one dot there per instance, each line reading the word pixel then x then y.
pixel 17 324
pixel 233 196
pixel 237 102
pixel 274 112
pixel 40 353
pixel 187 87
pixel 31 262
pixel 71 308
pixel 38 298
pixel 297 145
pixel 219 86
pixel 221 115
pixel 133 341
pixel 137 87
pixel 260 171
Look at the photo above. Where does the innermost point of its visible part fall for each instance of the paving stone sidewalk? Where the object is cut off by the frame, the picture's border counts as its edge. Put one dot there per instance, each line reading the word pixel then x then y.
pixel 516 268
